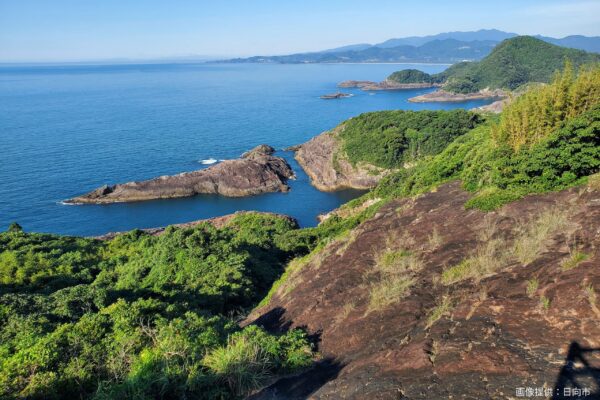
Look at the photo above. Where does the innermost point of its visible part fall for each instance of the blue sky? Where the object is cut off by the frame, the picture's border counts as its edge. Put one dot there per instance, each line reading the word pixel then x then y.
pixel 69 30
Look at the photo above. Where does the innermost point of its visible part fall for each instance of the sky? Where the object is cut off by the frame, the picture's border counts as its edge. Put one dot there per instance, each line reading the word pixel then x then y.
pixel 80 30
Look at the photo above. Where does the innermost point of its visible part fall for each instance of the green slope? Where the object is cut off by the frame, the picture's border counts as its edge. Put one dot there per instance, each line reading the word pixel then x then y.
pixel 512 63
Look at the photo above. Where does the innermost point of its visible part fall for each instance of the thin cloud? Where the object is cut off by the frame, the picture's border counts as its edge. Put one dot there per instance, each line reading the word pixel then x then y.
pixel 583 9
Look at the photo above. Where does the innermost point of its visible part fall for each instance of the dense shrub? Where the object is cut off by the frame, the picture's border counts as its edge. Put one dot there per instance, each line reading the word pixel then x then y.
pixel 410 76
pixel 513 63
pixel 388 139
pixel 537 113
pixel 139 316
pixel 498 173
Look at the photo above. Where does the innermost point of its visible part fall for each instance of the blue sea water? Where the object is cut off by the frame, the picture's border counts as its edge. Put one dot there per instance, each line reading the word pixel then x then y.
pixel 65 130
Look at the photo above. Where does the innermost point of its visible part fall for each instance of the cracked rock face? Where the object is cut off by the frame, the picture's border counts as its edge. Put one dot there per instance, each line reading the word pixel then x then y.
pixel 257 171
pixel 532 323
pixel 328 170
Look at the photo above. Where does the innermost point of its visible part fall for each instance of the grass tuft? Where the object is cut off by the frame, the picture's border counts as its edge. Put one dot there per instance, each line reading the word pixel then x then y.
pixel 594 181
pixel 435 240
pixel 532 287
pixel 393 278
pixel 439 311
pixel 530 242
pixel 544 303
pixel 243 365
pixel 574 259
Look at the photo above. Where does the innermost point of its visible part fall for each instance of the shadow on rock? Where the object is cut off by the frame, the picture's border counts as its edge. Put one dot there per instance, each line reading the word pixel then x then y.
pixel 578 377
pixel 301 386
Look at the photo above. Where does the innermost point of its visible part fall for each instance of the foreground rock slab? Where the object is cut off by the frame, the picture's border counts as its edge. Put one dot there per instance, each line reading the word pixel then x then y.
pixel 257 171
pixel 533 323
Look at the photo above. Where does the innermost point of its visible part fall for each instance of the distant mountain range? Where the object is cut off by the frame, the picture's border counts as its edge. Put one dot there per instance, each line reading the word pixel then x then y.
pixel 514 62
pixel 448 47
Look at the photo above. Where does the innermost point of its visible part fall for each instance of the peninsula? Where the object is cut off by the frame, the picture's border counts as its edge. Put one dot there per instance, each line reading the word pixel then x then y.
pixel 257 171
pixel 512 64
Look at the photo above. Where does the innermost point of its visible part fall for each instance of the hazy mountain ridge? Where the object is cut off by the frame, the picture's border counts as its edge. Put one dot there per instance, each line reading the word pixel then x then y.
pixel 448 47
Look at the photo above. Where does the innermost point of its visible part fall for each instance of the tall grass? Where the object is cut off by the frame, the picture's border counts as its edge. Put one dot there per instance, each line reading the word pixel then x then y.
pixel 244 366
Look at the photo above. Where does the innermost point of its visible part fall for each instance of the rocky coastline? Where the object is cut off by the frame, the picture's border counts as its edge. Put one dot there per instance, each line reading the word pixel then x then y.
pixel 387 84
pixel 257 171
pixel 328 169
pixel 443 96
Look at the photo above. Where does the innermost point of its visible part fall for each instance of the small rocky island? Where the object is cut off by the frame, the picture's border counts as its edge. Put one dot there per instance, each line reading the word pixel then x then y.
pixel 334 96
pixel 257 171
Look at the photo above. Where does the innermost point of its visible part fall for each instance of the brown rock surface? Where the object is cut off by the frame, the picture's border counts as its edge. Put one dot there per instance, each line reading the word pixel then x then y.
pixel 495 337
pixel 385 85
pixel 327 168
pixel 257 171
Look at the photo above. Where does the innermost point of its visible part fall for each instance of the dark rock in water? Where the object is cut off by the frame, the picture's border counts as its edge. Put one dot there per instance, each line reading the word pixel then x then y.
pixel 292 148
pixel 336 96
pixel 258 171
pixel 260 150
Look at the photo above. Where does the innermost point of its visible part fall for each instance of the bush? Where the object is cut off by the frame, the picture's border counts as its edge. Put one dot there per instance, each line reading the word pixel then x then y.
pixel 410 76
pixel 135 316
pixel 388 139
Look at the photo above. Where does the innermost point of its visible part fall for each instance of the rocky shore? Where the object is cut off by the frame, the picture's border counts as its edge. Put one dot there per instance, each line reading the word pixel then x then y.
pixel 448 97
pixel 257 171
pixel 328 169
pixel 385 85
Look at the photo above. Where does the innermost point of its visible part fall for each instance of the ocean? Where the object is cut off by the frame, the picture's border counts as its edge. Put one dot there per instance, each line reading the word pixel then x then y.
pixel 67 129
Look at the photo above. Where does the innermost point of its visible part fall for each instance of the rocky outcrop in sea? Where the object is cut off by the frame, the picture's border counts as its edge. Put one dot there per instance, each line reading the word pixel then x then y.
pixel 256 171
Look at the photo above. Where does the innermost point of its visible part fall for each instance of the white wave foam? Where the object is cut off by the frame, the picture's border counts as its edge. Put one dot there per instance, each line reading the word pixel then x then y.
pixel 208 161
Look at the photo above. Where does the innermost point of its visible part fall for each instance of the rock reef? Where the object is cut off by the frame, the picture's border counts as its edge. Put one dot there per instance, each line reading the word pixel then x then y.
pixel 387 84
pixel 443 96
pixel 257 171
pixel 323 161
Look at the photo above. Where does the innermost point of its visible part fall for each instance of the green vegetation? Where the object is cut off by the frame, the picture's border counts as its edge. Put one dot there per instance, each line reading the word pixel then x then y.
pixel 513 63
pixel 142 316
pixel 391 279
pixel 537 113
pixel 388 139
pixel 574 260
pixel 145 317
pixel 489 165
pixel 443 308
pixel 410 76
pixel 532 287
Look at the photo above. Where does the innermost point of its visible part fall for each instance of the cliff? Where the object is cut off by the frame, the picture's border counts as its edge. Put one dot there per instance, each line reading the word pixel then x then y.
pixel 429 300
pixel 256 172
pixel 322 160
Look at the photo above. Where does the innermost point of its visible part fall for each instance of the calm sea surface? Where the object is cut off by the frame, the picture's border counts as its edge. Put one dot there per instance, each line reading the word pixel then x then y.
pixel 65 130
